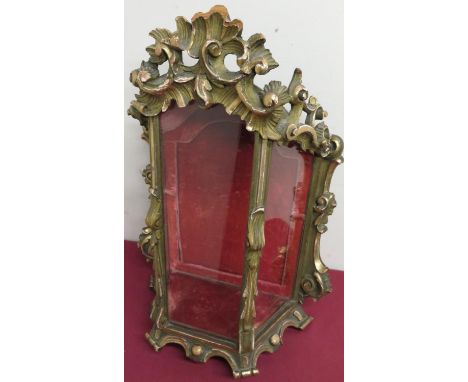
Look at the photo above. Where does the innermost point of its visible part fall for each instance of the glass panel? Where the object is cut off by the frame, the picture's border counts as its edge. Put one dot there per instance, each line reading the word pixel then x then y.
pixel 289 181
pixel 207 176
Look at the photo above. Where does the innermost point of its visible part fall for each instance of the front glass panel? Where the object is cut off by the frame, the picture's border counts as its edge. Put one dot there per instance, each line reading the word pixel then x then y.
pixel 207 158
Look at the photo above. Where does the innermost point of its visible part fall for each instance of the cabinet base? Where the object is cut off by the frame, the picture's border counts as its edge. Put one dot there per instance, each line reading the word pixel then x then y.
pixel 200 346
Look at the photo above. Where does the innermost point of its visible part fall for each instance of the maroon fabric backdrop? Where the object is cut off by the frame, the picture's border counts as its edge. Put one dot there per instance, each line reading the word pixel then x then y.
pixel 314 354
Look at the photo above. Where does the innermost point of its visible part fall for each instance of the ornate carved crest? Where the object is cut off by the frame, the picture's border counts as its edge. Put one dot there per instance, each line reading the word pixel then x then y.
pixel 210 37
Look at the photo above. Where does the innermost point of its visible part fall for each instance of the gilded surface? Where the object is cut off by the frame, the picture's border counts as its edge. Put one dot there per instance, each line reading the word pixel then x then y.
pixel 255 244
pixel 210 37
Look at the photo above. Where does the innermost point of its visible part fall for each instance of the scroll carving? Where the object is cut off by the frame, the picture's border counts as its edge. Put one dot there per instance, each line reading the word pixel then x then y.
pixel 316 283
pixel 324 206
pixel 151 234
pixel 209 38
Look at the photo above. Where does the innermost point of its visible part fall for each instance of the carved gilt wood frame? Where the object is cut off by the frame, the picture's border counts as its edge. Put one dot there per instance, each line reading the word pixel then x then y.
pixel 209 37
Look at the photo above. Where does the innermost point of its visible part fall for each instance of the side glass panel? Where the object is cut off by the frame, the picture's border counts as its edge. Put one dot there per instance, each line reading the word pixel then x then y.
pixel 288 186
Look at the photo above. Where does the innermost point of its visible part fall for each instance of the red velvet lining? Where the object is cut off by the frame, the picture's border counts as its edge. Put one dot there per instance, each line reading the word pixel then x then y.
pixel 208 163
pixel 213 306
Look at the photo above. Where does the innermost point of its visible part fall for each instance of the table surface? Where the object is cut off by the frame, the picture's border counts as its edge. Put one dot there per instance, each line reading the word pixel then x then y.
pixel 314 354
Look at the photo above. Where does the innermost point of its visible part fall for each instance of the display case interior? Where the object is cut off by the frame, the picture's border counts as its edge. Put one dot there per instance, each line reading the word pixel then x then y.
pixel 208 157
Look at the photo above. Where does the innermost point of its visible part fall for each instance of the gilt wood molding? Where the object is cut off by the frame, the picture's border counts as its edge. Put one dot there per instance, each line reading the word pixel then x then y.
pixel 210 37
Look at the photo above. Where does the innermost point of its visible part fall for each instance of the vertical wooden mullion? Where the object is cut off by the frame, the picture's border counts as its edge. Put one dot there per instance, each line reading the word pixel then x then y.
pixel 255 244
pixel 159 311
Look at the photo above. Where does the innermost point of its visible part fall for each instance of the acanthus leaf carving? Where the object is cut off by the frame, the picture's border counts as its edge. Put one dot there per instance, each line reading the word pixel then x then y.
pixel 255 229
pixel 203 87
pixel 260 59
pixel 210 37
